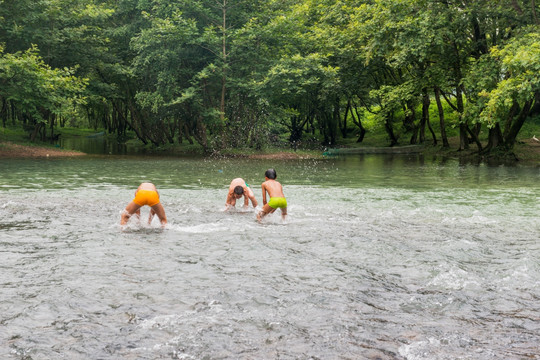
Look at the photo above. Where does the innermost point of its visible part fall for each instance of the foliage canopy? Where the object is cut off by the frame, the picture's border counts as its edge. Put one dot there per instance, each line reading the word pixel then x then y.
pixel 236 73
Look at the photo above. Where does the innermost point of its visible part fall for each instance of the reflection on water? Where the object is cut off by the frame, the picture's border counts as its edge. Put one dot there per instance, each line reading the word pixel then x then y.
pixel 381 258
pixel 97 144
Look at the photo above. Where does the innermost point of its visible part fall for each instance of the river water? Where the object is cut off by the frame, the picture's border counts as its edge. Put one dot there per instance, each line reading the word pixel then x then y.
pixel 382 257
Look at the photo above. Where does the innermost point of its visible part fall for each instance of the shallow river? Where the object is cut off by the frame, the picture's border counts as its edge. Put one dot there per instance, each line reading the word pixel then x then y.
pixel 381 258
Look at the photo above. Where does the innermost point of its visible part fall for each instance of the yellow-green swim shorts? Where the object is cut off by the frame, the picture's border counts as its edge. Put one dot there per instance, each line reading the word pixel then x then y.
pixel 277 202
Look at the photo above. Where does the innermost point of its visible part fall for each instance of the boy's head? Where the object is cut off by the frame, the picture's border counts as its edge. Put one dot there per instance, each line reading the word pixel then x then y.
pixel 238 191
pixel 271 174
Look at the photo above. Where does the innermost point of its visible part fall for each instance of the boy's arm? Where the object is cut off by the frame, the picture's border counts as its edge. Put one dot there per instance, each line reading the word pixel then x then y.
pixel 251 196
pixel 263 193
pixel 253 200
pixel 230 202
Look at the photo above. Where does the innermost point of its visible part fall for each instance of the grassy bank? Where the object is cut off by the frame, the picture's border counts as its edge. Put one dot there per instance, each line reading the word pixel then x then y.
pixel 526 149
pixel 15 143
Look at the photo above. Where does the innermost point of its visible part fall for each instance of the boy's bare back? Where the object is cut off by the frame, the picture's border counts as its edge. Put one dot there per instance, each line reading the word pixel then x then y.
pixel 247 194
pixel 273 188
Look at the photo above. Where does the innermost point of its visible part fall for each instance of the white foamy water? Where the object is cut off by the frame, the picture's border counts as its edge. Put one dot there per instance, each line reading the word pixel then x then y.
pixel 378 259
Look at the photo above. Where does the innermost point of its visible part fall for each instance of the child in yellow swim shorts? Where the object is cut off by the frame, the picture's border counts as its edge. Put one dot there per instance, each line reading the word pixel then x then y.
pixel 146 194
pixel 275 191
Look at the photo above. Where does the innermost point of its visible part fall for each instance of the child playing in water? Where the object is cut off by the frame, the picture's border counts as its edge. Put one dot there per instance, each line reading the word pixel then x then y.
pixel 146 194
pixel 237 189
pixel 275 191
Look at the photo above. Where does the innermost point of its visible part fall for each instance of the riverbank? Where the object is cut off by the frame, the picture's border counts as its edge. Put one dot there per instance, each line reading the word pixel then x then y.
pixel 525 151
pixel 12 150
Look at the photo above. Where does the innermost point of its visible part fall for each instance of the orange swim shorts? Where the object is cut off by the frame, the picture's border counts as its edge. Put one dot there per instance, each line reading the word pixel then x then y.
pixel 146 197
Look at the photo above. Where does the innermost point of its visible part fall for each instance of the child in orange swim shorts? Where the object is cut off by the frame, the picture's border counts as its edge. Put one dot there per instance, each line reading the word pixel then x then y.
pixel 146 194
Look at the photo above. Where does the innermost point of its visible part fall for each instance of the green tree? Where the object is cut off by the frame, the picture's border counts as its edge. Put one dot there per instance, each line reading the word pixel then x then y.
pixel 508 85
pixel 186 60
pixel 68 34
pixel 41 93
pixel 229 72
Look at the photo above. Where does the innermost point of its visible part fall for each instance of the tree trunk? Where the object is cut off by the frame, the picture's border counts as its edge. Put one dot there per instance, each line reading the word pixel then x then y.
pixel 389 129
pixel 480 39
pixel 296 129
pixel 132 125
pixel 52 118
pixel 510 138
pixel 36 131
pixel 514 109
pixel 432 132
pixel 495 138
pixel 200 134
pixel 334 122
pixel 416 129
pixel 3 112
pixel 14 114
pixel 463 138
pixel 414 136
pixel 474 137
pixel 358 122
pixel 224 56
pixel 440 108
pixel 410 116
pixel 425 118
pixel 188 134
pixel 344 127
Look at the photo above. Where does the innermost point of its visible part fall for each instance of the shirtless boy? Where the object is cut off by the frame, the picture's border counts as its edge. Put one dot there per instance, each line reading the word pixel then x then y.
pixel 146 194
pixel 275 191
pixel 237 189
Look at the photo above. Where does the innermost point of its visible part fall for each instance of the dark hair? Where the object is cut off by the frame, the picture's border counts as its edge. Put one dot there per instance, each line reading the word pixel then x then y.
pixel 239 190
pixel 271 174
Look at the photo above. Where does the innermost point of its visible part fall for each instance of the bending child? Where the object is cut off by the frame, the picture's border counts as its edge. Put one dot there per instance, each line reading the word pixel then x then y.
pixel 237 189
pixel 146 194
pixel 275 191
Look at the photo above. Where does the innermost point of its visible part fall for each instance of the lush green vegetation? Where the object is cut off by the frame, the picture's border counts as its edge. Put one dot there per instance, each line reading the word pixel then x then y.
pixel 229 74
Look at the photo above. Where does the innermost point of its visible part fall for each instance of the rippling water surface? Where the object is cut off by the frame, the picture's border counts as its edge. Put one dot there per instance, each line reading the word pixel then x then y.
pixel 381 258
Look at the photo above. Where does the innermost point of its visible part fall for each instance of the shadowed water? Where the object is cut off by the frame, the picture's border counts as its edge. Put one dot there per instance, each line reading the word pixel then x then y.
pixel 381 258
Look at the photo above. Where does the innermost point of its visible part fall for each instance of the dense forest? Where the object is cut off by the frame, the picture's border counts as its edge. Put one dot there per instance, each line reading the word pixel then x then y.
pixel 230 73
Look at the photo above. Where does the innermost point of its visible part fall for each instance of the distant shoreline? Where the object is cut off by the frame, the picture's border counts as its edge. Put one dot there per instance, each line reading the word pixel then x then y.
pixel 407 149
pixel 10 150
pixel 527 151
